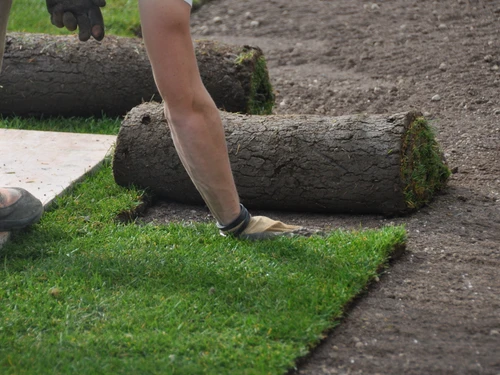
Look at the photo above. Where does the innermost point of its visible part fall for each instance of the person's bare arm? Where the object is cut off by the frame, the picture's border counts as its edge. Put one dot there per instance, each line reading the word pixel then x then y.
pixel 194 119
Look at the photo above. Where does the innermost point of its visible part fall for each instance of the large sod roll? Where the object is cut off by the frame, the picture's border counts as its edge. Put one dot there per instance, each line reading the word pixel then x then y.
pixel 59 75
pixel 350 164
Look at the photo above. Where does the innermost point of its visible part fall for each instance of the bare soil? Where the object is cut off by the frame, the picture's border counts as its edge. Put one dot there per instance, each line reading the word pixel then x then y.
pixel 436 310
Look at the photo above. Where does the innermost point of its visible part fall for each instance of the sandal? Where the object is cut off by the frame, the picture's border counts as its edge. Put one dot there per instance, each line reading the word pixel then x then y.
pixel 25 211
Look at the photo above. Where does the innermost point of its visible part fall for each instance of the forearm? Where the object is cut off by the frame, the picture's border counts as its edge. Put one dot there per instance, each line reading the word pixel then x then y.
pixel 193 117
pixel 200 142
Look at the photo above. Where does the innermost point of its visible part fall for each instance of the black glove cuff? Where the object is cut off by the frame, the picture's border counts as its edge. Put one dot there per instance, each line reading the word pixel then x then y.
pixel 241 223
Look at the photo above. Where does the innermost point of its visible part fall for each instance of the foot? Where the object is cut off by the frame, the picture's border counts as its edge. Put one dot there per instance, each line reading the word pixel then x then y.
pixel 254 228
pixel 18 209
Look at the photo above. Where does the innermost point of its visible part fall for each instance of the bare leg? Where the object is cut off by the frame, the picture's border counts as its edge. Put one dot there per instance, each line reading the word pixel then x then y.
pixel 194 120
pixel 7 197
pixel 18 208
pixel 4 17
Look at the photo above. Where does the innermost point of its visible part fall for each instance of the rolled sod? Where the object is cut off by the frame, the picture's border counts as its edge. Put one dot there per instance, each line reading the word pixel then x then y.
pixel 45 75
pixel 349 164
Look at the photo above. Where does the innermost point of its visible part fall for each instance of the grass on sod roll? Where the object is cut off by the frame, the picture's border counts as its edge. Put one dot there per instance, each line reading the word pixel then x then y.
pixel 81 293
pixel 121 17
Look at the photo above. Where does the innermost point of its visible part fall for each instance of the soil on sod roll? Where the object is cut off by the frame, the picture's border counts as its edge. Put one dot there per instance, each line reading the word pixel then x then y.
pixel 436 310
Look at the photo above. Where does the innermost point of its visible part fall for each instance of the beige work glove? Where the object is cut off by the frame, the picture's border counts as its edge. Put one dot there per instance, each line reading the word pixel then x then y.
pixel 256 227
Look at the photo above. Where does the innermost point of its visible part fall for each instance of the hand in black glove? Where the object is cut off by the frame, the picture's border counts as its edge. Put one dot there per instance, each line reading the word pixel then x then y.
pixel 84 14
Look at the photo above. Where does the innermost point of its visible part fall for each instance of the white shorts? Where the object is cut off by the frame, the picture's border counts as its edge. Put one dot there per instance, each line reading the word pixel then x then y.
pixel 190 2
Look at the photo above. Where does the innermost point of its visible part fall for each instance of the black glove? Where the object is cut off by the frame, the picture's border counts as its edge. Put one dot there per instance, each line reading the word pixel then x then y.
pixel 84 14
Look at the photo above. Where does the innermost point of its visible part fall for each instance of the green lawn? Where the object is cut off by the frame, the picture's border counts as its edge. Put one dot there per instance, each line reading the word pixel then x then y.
pixel 121 17
pixel 104 125
pixel 83 294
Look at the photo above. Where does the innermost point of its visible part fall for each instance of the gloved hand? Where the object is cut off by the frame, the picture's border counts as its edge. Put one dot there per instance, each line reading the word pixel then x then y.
pixel 84 14
pixel 250 227
pixel 262 227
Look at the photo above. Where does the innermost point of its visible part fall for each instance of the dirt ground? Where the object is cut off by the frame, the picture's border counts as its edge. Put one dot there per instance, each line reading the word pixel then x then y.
pixel 436 310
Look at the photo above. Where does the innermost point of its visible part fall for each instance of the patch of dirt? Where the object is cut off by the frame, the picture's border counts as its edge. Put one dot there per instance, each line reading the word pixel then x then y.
pixel 436 310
